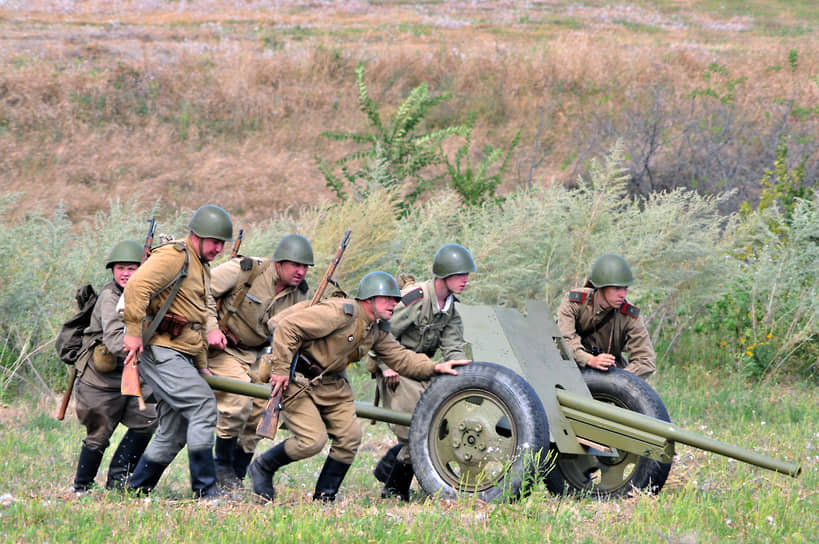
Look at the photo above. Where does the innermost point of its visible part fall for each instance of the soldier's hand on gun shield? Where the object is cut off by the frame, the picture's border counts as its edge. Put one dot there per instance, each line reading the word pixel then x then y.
pixel 446 367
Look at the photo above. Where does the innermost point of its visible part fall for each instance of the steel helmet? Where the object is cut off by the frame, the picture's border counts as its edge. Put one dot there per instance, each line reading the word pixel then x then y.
pixel 611 270
pixel 295 248
pixel 127 251
pixel 452 259
pixel 211 221
pixel 377 284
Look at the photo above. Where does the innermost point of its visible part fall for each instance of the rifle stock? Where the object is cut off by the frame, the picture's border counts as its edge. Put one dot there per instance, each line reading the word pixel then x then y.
pixel 269 423
pixel 130 385
pixel 67 396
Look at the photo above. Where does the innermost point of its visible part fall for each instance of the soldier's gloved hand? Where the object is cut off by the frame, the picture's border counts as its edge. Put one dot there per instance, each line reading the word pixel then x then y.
pixel 265 367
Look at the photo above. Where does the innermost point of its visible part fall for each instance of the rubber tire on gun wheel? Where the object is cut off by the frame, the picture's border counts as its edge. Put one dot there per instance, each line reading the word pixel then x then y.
pixel 482 431
pixel 619 477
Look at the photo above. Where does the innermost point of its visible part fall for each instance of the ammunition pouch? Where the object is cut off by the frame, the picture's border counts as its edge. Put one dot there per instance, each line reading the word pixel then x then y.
pixel 103 360
pixel 173 324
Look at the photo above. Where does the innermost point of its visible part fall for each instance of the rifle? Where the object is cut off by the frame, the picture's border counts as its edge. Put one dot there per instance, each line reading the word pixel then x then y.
pixel 237 243
pixel 269 423
pixel 67 396
pixel 130 372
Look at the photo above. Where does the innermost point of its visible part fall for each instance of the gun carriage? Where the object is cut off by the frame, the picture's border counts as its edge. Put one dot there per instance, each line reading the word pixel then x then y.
pixel 532 413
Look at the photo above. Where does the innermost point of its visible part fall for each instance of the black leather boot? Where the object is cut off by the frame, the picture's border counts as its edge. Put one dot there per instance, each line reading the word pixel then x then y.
pixel 332 474
pixel 262 468
pixel 241 460
pixel 224 451
pixel 125 459
pixel 146 475
pixel 384 467
pixel 87 467
pixel 203 474
pixel 399 482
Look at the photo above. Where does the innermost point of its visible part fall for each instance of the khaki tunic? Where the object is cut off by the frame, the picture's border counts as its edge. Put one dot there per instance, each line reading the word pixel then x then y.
pixel 333 334
pixel 99 403
pixel 238 414
pixel 627 333
pixel 193 300
pixel 420 325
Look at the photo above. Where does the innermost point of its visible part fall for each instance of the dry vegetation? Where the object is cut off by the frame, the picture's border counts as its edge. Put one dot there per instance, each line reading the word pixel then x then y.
pixel 224 101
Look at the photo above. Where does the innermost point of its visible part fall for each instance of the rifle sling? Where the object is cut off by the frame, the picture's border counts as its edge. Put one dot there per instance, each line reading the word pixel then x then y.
pixel 599 325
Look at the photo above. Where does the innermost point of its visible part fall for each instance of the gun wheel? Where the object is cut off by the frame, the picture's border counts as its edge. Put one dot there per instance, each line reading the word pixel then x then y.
pixel 478 432
pixel 612 477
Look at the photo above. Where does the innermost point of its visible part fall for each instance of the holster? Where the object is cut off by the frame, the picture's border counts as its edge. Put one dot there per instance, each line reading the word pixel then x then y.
pixel 172 324
pixel 307 367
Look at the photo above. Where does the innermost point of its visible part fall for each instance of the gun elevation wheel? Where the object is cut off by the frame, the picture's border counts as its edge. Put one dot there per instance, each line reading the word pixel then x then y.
pixel 612 477
pixel 480 432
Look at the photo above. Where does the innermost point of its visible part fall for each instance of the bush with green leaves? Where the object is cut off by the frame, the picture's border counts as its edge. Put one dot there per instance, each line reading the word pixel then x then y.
pixel 692 285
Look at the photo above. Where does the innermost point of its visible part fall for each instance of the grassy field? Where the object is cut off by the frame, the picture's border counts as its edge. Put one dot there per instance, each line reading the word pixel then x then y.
pixel 222 101
pixel 708 498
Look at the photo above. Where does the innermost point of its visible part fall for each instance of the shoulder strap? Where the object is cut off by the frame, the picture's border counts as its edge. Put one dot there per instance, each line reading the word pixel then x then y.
pixel 251 269
pixel 599 325
pixel 175 284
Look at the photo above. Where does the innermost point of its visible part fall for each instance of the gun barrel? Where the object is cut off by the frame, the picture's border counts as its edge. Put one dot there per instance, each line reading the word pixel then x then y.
pixel 670 431
pixel 363 410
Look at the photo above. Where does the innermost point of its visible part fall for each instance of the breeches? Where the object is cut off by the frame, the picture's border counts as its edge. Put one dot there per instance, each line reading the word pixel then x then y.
pixel 185 403
pixel 101 411
pixel 325 410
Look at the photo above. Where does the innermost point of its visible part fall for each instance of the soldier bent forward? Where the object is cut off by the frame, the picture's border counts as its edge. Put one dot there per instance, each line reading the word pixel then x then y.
pixel 249 292
pixel 600 326
pixel 425 321
pixel 319 403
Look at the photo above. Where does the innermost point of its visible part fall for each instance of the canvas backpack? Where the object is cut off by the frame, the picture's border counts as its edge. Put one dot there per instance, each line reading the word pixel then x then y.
pixel 69 342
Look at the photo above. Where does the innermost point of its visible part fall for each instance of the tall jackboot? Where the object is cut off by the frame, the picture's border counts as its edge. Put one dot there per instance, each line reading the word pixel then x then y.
pixel 203 474
pixel 126 457
pixel 223 457
pixel 384 467
pixel 332 474
pixel 146 475
pixel 262 468
pixel 399 482
pixel 241 460
pixel 87 467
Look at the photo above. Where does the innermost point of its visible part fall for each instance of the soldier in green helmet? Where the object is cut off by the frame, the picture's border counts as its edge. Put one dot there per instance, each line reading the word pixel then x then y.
pixel 176 280
pixel 425 321
pixel 249 291
pixel 100 404
pixel 601 327
pixel 318 402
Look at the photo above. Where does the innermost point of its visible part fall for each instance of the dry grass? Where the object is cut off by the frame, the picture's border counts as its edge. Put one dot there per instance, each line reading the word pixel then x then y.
pixel 224 101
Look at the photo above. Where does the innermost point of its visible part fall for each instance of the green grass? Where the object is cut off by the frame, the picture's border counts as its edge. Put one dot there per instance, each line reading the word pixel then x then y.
pixel 708 498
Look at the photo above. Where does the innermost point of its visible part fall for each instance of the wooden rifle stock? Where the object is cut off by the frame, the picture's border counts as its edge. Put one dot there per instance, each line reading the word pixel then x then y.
pixel 67 396
pixel 269 423
pixel 130 372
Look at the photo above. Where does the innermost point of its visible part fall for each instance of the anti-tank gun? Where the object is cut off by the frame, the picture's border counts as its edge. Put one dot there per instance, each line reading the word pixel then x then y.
pixel 534 414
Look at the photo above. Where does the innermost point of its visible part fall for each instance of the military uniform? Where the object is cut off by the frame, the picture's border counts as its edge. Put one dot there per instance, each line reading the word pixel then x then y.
pixel 100 405
pixel 329 335
pixel 247 290
pixel 185 402
pixel 421 326
pixel 590 329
